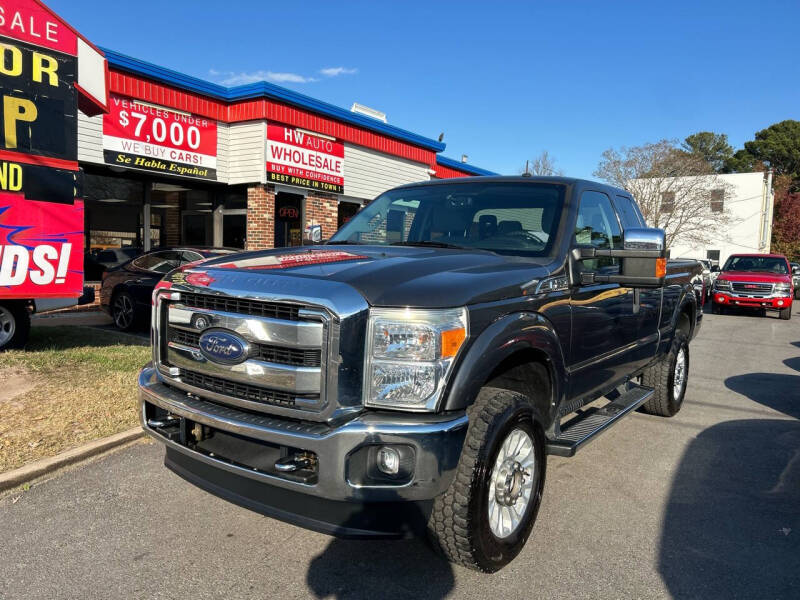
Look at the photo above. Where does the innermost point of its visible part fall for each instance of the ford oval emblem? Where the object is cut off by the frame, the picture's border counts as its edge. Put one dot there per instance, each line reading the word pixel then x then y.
pixel 224 347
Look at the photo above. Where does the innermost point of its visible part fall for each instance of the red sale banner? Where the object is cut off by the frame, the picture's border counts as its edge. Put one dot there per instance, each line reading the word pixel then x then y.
pixel 143 136
pixel 41 248
pixel 34 23
pixel 296 157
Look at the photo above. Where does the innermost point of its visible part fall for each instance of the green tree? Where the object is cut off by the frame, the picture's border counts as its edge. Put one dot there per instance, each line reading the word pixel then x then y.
pixel 743 162
pixel 712 147
pixel 778 146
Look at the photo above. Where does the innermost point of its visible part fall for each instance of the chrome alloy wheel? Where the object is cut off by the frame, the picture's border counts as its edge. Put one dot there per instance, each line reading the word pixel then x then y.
pixel 8 326
pixel 511 483
pixel 123 311
pixel 679 377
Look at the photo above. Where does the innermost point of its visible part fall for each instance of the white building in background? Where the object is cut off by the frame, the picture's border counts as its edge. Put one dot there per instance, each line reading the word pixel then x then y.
pixel 748 197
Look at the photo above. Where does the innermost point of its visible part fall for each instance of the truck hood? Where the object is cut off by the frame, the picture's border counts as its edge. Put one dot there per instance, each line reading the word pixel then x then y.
pixel 755 276
pixel 397 275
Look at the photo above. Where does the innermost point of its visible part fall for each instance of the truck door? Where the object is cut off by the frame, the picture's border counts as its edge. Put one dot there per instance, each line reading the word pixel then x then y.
pixel 646 314
pixel 603 322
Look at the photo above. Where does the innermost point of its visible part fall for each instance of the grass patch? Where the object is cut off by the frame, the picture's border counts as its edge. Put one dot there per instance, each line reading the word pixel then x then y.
pixel 84 388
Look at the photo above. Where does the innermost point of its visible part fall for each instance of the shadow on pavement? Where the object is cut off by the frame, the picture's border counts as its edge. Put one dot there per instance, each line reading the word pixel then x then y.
pixel 380 569
pixel 793 363
pixel 777 391
pixel 732 524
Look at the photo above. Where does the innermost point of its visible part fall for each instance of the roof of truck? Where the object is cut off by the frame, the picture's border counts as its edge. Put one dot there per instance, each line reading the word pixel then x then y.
pixel 520 179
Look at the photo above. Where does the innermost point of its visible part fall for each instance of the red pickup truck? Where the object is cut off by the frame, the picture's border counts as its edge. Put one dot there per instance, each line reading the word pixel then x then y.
pixel 761 281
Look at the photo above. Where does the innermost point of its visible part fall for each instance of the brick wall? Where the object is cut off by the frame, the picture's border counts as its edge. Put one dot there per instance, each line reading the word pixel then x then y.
pixel 322 209
pixel 260 217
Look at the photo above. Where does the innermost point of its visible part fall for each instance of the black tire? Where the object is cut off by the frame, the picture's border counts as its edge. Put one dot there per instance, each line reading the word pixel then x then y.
pixel 786 313
pixel 123 311
pixel 459 525
pixel 661 377
pixel 797 293
pixel 15 325
pixel 717 309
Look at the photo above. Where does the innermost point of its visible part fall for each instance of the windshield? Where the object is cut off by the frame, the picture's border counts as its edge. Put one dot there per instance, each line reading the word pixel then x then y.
pixel 507 218
pixel 766 264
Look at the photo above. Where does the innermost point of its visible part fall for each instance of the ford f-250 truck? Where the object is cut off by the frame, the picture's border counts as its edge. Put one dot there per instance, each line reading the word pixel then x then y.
pixel 761 281
pixel 417 370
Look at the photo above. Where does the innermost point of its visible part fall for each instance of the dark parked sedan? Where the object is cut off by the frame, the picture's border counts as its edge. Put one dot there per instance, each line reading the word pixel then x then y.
pixel 126 290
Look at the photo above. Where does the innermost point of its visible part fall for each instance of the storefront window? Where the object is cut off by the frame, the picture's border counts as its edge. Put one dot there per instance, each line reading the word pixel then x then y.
pixel 113 209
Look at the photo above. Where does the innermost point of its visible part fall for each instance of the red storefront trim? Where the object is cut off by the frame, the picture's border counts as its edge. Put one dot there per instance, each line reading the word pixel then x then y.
pixel 140 88
pixel 443 172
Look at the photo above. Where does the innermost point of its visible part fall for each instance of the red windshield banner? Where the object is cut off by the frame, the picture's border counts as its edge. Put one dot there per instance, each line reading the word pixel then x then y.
pixel 296 157
pixel 41 248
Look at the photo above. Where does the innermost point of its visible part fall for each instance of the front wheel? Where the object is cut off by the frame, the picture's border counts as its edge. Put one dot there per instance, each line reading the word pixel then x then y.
pixel 485 517
pixel 15 325
pixel 668 377
pixel 123 311
pixel 786 313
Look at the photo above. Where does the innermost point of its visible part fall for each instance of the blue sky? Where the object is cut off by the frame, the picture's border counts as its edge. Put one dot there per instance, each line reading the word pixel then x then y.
pixel 502 80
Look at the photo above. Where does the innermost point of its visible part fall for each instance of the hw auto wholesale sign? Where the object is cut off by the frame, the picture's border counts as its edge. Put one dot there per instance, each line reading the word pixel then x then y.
pixel 143 136
pixel 296 157
pixel 41 215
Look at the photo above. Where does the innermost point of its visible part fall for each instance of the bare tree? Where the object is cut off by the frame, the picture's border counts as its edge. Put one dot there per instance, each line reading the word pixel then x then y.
pixel 544 164
pixel 676 191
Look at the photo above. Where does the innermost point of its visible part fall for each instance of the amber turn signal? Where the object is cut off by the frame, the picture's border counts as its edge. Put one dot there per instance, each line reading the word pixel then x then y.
pixel 661 267
pixel 452 340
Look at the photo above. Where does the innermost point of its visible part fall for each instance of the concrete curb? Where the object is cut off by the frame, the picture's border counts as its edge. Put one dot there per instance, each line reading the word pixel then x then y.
pixel 45 466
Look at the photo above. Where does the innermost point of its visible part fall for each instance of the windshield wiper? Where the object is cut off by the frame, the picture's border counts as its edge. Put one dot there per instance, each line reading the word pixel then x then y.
pixel 429 244
pixel 344 243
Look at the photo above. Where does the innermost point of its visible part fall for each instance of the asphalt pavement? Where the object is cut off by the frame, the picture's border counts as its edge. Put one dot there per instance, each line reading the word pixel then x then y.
pixel 703 505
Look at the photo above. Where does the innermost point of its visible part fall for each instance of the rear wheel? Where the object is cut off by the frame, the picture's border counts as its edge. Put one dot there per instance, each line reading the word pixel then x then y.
pixel 668 377
pixel 15 325
pixel 485 517
pixel 123 311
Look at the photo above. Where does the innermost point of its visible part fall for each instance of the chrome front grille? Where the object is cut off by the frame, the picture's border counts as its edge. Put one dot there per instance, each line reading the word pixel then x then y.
pixel 284 368
pixel 231 388
pixel 752 288
pixel 256 308
pixel 264 352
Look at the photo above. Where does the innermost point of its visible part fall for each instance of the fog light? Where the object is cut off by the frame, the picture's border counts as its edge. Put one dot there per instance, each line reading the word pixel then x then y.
pixel 388 460
pixel 780 302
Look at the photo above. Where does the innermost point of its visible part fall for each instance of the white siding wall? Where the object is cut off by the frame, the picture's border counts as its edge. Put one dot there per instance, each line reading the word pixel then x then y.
pixel 746 203
pixel 247 147
pixel 368 173
pixel 90 138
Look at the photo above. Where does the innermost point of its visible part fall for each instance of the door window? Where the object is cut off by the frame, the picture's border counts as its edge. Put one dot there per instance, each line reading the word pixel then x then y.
pixel 628 212
pixel 597 227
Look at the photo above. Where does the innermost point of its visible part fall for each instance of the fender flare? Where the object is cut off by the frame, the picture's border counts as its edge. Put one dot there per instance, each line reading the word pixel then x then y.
pixel 688 297
pixel 506 336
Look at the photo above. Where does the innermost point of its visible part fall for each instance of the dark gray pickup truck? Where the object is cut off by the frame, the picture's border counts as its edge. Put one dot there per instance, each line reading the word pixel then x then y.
pixel 415 372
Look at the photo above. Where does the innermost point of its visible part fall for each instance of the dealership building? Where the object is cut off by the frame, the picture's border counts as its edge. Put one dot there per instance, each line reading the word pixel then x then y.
pixel 181 161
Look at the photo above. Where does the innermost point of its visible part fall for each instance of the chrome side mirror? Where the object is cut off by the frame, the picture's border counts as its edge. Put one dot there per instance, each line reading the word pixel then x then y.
pixel 645 239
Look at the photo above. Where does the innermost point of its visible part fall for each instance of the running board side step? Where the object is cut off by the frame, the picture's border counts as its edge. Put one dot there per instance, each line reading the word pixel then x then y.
pixel 591 422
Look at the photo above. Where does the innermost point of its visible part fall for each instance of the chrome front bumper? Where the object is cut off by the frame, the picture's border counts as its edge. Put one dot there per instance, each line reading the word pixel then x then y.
pixel 437 441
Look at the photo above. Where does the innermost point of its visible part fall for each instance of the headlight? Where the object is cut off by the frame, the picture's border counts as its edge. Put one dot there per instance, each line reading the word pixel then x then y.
pixel 722 284
pixel 782 288
pixel 410 354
